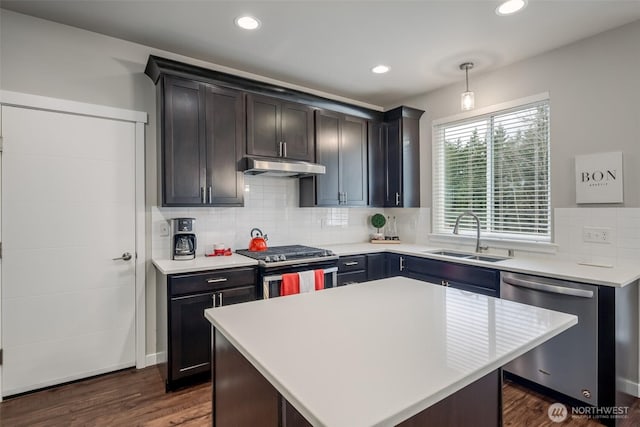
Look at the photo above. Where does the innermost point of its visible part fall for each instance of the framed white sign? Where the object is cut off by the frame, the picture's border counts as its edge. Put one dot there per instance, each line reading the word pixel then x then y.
pixel 599 178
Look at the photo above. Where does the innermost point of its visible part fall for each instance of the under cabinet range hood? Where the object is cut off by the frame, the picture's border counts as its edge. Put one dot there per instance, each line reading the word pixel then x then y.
pixel 281 167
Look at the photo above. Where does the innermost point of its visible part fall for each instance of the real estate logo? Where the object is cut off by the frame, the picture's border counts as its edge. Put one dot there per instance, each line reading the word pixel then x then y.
pixel 557 412
pixel 598 177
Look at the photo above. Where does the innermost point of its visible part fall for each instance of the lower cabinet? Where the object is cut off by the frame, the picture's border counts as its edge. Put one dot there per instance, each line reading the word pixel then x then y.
pixel 361 268
pixel 480 280
pixel 188 333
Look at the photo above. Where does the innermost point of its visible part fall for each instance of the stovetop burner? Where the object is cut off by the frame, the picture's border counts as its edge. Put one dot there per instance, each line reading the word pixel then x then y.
pixel 286 253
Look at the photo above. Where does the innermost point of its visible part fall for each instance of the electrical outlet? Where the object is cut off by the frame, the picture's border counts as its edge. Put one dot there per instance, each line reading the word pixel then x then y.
pixel 596 235
pixel 164 229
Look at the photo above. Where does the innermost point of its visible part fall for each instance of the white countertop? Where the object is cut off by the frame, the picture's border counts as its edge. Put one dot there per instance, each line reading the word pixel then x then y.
pixel 377 353
pixel 621 274
pixel 202 263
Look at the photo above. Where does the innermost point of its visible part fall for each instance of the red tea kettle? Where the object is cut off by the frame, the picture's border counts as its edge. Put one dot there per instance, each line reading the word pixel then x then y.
pixel 258 241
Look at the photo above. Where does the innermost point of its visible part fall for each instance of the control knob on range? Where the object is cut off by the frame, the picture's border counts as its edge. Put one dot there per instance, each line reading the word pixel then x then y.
pixel 267 259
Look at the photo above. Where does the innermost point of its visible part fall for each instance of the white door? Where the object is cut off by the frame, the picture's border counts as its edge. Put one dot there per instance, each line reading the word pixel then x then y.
pixel 68 200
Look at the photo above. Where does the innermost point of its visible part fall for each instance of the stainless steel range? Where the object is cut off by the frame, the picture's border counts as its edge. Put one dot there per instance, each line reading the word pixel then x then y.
pixel 279 260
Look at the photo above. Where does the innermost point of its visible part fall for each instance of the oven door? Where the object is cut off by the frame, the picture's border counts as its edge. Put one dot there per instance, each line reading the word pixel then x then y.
pixel 271 277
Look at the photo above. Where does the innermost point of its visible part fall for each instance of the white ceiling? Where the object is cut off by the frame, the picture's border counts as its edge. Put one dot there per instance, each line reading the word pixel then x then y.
pixel 331 45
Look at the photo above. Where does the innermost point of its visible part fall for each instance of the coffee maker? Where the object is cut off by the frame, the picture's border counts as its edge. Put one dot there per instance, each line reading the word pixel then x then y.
pixel 183 243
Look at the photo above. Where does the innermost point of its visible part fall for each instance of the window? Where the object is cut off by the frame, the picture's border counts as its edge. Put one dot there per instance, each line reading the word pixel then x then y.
pixel 496 165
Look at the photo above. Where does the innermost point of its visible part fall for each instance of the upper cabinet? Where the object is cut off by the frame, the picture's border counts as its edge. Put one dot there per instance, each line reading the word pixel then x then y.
pixel 341 146
pixel 277 128
pixel 202 143
pixel 396 155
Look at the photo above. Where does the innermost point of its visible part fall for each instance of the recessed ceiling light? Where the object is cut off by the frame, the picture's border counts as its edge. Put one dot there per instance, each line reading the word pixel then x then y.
pixel 510 6
pixel 247 22
pixel 380 69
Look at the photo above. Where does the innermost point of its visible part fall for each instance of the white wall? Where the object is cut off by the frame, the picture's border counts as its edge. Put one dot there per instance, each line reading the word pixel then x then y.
pixel 594 98
pixel 49 59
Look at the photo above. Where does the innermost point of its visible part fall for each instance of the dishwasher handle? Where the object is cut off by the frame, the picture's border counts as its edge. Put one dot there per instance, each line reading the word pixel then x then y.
pixel 581 293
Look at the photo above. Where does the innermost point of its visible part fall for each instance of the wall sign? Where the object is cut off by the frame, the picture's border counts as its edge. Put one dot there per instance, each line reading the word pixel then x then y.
pixel 599 178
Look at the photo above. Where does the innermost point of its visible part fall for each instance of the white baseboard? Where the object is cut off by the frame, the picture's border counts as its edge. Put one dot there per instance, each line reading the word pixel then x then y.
pixel 629 387
pixel 155 358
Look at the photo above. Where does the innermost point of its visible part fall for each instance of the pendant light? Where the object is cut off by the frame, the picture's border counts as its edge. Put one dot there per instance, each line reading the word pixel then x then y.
pixel 466 99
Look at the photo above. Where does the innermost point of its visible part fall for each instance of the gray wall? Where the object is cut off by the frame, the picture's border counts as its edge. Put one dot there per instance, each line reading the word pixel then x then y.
pixel 594 89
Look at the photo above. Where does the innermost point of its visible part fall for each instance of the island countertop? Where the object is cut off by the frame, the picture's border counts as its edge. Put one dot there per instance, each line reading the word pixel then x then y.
pixel 376 353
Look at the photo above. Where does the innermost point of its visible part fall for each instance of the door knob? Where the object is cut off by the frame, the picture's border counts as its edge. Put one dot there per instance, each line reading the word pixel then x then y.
pixel 125 257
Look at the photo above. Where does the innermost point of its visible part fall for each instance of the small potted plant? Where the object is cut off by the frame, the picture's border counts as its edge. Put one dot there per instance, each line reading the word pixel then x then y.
pixel 378 221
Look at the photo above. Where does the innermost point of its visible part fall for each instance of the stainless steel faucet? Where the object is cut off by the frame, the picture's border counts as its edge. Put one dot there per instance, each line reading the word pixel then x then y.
pixel 455 228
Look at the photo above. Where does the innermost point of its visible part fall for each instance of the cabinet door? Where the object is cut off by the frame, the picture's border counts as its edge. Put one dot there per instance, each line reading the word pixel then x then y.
pixel 376 266
pixel 395 265
pixel 353 162
pixel 236 295
pixel 225 136
pixel 297 131
pixel 190 335
pixel 183 145
pixel 327 154
pixel 263 126
pixel 393 164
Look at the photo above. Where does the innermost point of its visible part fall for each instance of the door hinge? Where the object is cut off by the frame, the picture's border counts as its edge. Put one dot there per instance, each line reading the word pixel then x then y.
pixel 0 250
pixel 0 144
pixel 0 357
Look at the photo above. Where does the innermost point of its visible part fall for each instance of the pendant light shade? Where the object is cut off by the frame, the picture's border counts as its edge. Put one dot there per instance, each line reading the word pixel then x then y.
pixel 467 100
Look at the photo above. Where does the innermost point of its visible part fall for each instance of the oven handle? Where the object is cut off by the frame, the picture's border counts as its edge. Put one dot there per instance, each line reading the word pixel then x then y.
pixel 548 288
pixel 268 279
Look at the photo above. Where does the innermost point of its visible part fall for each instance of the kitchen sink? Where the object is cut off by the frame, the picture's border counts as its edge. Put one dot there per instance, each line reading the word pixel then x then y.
pixel 467 255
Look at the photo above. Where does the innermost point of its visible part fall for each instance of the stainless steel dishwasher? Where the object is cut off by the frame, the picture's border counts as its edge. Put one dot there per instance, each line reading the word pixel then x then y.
pixel 567 363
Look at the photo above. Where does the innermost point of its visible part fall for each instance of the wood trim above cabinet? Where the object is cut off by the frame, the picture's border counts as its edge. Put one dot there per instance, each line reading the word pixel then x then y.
pixel 157 66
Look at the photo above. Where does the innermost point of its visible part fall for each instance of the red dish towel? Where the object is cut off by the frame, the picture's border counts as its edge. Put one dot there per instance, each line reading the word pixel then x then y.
pixel 290 284
pixel 319 279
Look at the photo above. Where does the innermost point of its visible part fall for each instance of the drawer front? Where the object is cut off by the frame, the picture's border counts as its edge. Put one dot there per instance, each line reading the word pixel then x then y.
pixel 352 277
pixel 352 263
pixel 210 281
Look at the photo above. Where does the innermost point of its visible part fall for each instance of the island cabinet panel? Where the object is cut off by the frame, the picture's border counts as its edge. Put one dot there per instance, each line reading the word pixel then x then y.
pixel 278 128
pixel 243 397
pixel 202 137
pixel 341 146
pixel 188 332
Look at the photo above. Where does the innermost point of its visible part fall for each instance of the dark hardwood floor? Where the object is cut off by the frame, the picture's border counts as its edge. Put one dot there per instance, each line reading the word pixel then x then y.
pixel 137 398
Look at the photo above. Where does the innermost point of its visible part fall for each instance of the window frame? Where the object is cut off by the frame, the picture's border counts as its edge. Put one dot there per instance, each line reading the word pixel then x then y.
pixel 543 243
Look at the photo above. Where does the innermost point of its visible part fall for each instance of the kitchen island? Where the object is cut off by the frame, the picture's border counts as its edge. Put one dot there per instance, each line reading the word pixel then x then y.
pixel 372 354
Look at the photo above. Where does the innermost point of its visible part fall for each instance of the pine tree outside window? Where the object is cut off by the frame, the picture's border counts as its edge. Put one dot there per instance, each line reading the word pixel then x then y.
pixel 496 165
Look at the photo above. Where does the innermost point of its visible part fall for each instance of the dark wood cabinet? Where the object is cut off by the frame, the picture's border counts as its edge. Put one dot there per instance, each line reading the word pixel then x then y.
pixel 362 268
pixel 277 128
pixel 202 136
pixel 396 159
pixel 376 266
pixel 341 146
pixel 183 141
pixel 470 278
pixel 188 332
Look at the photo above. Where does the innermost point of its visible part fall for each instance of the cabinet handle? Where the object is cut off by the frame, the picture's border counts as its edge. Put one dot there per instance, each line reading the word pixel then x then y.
pixel 280 152
pixel 210 194
pixel 346 200
pixel 218 280
pixel 351 263
pixel 220 299
pixel 397 199
pixel 213 297
pixel 202 195
pixel 285 148
pixel 401 263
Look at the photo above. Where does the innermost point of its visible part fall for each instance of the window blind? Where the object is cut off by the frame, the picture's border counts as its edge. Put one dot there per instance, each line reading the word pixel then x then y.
pixel 496 165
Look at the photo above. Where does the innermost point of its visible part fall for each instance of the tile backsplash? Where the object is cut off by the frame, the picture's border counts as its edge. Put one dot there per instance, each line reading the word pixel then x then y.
pixel 271 204
pixel 623 224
